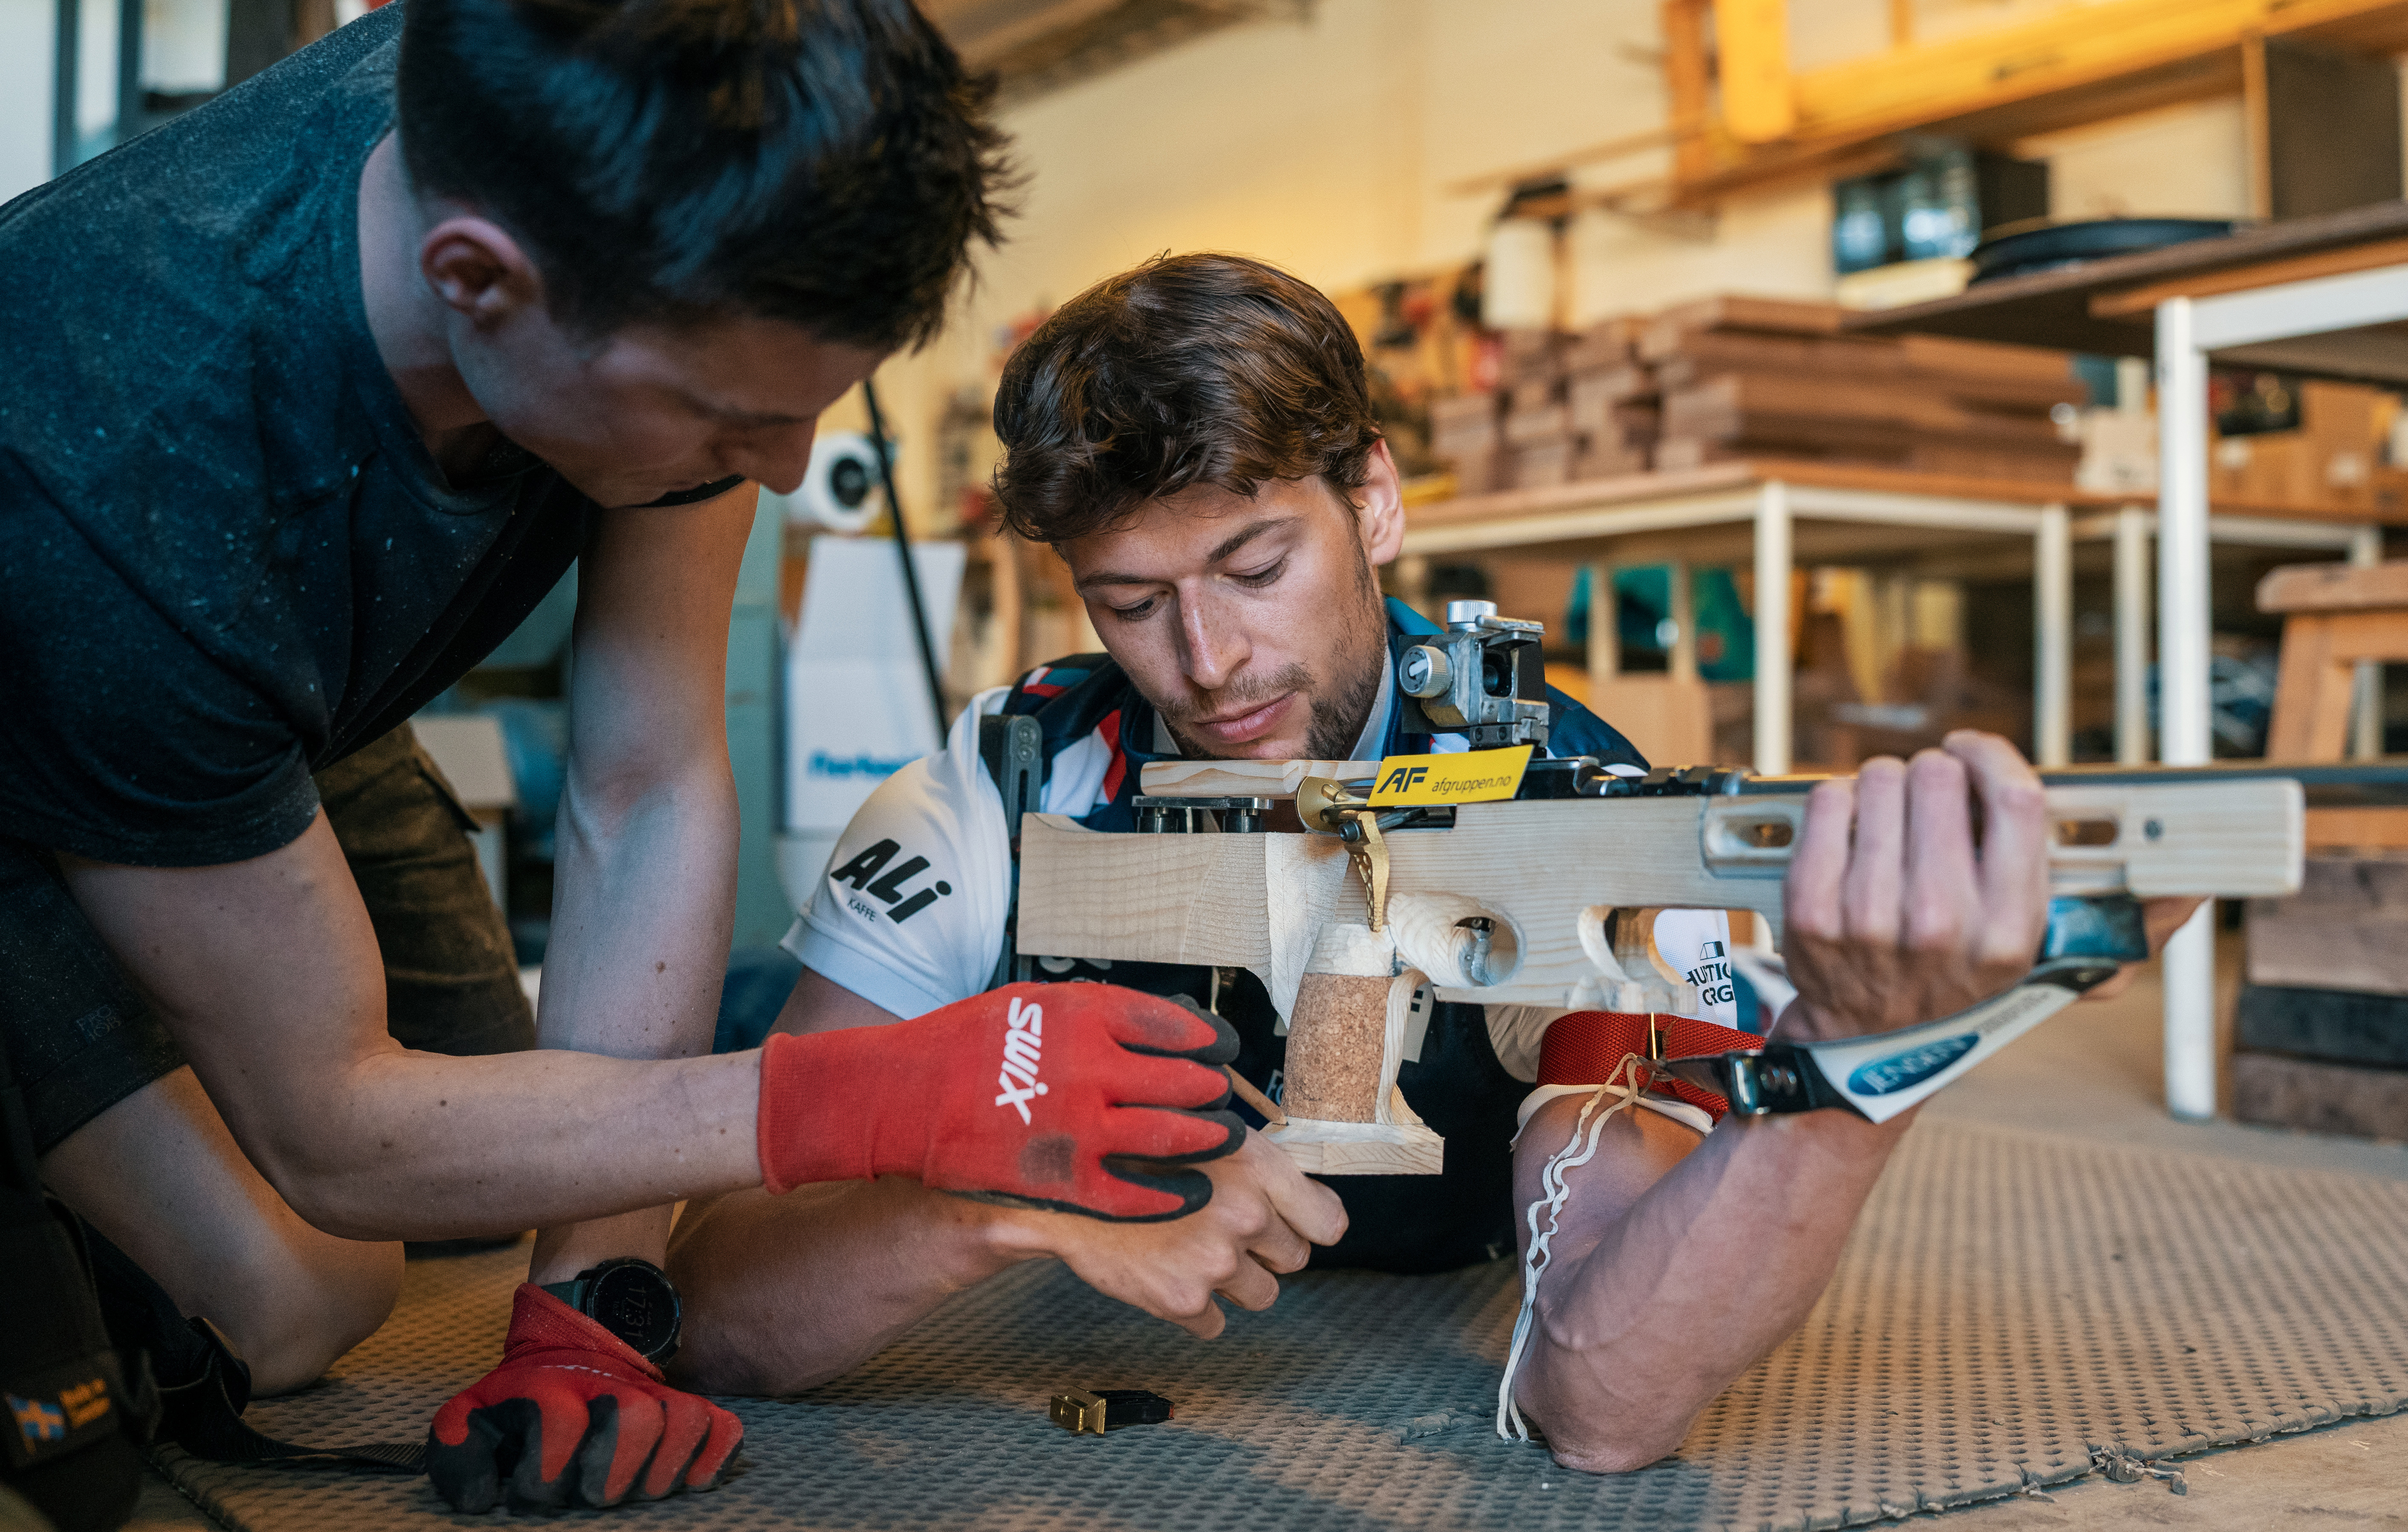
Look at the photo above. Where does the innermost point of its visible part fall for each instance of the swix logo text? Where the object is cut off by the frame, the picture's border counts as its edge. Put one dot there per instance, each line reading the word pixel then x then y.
pixel 1024 1044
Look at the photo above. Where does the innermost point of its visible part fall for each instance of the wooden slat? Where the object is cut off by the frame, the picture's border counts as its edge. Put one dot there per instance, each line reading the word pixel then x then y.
pixel 2358 829
pixel 2334 587
pixel 1841 403
pixel 1669 331
pixel 1148 898
pixel 1753 37
pixel 1985 359
pixel 2311 694
pixel 2345 929
pixel 2276 1092
pixel 2299 269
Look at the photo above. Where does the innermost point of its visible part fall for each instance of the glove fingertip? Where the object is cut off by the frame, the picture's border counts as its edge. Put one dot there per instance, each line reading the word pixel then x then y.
pixel 1173 1128
pixel 464 1473
pixel 450 1425
pixel 1177 1035
pixel 718 1453
pixel 1223 1047
pixel 1176 1193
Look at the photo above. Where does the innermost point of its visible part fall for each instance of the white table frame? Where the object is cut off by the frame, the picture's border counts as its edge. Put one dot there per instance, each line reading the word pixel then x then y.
pixel 1775 506
pixel 2188 331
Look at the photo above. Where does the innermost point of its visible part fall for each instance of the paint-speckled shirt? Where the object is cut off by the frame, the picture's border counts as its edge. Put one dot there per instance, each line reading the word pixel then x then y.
pixel 226 558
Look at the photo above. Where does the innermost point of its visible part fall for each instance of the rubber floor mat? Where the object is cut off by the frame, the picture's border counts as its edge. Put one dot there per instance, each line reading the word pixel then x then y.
pixel 2007 1304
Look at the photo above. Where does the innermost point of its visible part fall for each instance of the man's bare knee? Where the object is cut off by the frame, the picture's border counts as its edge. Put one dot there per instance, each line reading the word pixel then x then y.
pixel 300 1307
pixel 158 1176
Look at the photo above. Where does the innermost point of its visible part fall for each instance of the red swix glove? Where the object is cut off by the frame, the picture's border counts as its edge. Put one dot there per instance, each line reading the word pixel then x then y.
pixel 1081 1097
pixel 573 1417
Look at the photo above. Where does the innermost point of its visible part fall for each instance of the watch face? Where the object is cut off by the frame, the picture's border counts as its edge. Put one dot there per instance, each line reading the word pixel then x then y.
pixel 635 1303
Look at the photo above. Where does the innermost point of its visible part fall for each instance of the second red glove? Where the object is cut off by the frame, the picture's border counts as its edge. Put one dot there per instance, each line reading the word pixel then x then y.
pixel 573 1416
pixel 1082 1097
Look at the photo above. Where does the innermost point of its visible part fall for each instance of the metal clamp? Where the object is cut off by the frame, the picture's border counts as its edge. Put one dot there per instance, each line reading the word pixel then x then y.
pixel 1326 807
pixel 1177 816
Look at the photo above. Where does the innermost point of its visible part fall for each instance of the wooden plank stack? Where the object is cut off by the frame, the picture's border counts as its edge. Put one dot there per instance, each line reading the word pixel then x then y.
pixel 2321 1032
pixel 1566 407
pixel 1734 376
pixel 1762 377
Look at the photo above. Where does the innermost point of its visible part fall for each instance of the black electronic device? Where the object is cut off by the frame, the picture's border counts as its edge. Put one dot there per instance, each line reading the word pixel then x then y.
pixel 1939 206
pixel 630 1297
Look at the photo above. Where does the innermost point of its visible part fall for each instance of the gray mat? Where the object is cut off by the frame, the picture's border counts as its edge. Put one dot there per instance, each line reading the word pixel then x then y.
pixel 2008 1304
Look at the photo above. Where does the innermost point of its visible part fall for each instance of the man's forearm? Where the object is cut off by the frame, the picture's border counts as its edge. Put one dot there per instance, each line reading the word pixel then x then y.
pixel 267 975
pixel 637 953
pixel 1646 1314
pixel 785 1292
pixel 421 1146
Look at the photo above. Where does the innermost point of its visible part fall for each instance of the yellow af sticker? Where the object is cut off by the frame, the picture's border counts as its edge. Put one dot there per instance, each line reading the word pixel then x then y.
pixel 1475 775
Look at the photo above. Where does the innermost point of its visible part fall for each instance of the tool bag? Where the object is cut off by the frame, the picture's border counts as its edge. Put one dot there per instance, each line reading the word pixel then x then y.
pixel 73 1441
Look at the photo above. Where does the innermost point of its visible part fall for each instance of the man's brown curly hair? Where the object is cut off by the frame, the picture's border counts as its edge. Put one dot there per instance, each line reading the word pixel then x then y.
pixel 1187 370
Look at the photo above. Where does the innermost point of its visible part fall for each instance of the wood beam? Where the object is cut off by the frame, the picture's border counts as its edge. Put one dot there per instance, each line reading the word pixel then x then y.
pixel 2060 68
pixel 1759 105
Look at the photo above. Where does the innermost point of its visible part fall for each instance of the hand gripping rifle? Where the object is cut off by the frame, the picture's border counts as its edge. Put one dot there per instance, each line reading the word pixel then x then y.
pixel 1537 884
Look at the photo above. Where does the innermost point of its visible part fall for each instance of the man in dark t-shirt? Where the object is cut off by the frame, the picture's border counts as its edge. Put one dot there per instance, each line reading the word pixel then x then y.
pixel 311 395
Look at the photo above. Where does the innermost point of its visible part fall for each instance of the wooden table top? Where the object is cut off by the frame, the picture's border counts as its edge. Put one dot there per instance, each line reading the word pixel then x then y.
pixel 1746 474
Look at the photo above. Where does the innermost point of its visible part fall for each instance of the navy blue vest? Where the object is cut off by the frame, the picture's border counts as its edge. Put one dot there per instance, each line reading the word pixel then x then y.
pixel 1395 1222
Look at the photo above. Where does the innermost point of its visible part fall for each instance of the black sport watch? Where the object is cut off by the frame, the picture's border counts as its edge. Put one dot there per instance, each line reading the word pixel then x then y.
pixel 630 1297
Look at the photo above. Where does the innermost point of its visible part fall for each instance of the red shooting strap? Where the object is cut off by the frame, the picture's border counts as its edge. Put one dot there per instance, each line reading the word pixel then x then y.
pixel 1583 1048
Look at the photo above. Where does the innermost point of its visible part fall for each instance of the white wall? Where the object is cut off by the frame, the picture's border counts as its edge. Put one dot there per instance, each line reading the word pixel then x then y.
pixel 96 66
pixel 1331 146
pixel 183 45
pixel 26 54
pixel 2182 162
pixel 1327 145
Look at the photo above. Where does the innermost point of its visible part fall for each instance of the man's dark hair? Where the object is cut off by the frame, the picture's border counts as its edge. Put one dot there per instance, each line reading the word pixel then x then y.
pixel 824 162
pixel 1187 370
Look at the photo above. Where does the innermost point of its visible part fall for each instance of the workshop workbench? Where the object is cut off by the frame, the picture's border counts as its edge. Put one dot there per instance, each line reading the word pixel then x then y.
pixel 1778 514
pixel 2327 297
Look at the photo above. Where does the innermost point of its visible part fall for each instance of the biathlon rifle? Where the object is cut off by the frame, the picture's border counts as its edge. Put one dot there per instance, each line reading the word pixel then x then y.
pixel 1499 878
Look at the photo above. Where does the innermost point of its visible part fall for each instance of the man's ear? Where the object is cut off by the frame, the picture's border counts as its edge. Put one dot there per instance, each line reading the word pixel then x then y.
pixel 480 271
pixel 1382 497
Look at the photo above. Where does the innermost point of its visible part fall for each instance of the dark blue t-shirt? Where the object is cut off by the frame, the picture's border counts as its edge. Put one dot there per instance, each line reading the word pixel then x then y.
pixel 227 557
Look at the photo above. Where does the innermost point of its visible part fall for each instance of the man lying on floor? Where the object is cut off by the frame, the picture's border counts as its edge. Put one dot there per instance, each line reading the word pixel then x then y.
pixel 1196 438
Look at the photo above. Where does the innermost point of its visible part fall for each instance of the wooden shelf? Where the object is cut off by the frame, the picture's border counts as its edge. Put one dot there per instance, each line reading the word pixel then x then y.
pixel 2055 308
